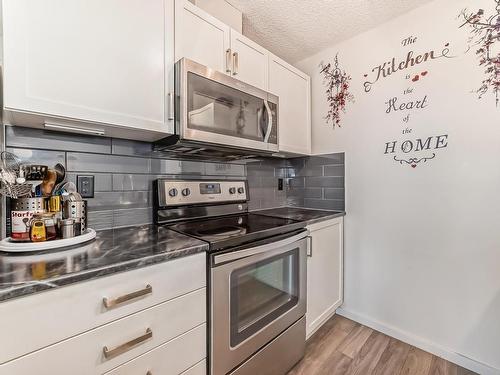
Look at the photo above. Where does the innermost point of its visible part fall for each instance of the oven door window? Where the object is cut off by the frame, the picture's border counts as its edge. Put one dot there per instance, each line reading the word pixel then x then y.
pixel 262 292
pixel 219 109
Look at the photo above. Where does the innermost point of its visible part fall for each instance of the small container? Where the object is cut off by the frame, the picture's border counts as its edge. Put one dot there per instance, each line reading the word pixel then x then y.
pixel 22 212
pixel 79 229
pixel 37 232
pixel 76 210
pixel 50 225
pixel 54 206
pixel 67 228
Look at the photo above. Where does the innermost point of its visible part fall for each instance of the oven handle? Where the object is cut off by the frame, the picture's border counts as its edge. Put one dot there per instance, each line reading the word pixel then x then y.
pixel 222 258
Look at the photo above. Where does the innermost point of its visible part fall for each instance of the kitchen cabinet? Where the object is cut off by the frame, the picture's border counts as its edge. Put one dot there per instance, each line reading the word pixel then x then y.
pixel 201 37
pixel 208 41
pixel 249 61
pixel 162 308
pixel 90 66
pixel 324 272
pixel 293 88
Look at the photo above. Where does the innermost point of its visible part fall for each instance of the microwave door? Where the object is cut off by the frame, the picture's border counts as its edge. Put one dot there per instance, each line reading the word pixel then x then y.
pixel 218 109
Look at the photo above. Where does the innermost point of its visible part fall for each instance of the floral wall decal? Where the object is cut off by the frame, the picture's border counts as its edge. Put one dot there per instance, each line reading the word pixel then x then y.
pixel 337 92
pixel 485 36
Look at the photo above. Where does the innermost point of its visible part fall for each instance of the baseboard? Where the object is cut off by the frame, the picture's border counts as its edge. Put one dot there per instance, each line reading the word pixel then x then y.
pixel 419 342
pixel 318 323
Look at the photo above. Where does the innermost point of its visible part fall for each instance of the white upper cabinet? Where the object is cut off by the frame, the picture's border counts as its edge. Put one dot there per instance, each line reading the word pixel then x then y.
pixel 94 62
pixel 250 62
pixel 208 41
pixel 201 37
pixel 294 90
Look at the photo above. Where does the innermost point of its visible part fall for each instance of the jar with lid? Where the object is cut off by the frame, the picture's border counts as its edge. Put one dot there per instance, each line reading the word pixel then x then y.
pixel 50 225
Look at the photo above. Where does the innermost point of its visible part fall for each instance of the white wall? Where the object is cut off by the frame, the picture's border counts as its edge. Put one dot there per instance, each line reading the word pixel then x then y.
pixel 422 245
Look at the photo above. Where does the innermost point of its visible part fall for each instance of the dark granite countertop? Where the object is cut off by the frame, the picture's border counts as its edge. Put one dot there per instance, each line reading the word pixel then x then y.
pixel 112 251
pixel 308 215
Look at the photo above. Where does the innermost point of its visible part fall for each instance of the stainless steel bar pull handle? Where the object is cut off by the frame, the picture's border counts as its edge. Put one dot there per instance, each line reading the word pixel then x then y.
pixel 170 106
pixel 110 353
pixel 236 63
pixel 228 60
pixel 310 247
pixel 269 121
pixel 110 303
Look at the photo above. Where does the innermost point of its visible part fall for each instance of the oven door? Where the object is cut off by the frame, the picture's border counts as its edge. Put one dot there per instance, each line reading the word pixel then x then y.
pixel 218 109
pixel 256 294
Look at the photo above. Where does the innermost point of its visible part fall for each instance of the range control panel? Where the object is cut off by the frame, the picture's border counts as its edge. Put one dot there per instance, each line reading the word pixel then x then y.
pixel 184 192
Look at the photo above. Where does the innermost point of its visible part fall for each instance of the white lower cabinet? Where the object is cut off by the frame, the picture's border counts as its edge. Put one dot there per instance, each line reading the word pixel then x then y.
pixel 199 369
pixel 162 328
pixel 324 272
pixel 172 358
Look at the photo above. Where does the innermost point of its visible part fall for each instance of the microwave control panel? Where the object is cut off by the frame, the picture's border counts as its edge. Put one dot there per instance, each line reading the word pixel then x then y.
pixel 187 192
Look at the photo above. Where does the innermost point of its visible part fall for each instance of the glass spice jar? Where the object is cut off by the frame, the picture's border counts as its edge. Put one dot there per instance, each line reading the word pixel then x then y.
pixel 50 225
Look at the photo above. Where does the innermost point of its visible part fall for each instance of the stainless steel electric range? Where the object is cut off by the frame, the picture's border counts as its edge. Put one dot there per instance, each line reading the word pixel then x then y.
pixel 256 271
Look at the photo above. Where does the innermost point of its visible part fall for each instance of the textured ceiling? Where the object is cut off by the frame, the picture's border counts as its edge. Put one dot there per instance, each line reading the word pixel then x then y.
pixel 296 29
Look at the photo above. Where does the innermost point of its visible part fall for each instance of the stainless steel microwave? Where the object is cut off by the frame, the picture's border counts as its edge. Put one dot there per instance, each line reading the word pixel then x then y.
pixel 215 112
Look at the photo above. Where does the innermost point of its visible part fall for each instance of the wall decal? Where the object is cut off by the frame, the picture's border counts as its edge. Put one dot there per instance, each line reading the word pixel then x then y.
pixel 413 162
pixel 338 95
pixel 410 149
pixel 411 60
pixel 485 36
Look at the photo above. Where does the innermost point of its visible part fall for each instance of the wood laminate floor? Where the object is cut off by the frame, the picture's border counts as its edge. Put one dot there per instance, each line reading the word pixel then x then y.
pixel 342 346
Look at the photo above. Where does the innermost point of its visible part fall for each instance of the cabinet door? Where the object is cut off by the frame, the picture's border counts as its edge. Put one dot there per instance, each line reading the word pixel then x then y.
pixel 250 61
pixel 201 37
pixel 324 273
pixel 294 90
pixel 97 61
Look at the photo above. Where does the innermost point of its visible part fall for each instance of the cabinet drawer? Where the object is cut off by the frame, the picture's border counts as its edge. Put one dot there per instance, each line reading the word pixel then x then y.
pixel 172 358
pixel 33 322
pixel 199 369
pixel 85 353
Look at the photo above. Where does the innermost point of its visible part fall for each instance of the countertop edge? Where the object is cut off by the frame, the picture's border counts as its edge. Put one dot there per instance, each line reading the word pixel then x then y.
pixel 35 287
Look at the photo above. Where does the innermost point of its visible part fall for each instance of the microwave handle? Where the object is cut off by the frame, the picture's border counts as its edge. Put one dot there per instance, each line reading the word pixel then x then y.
pixel 269 122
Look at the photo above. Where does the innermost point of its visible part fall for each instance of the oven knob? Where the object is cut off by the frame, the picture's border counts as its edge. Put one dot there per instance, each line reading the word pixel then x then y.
pixel 172 192
pixel 232 190
pixel 186 192
pixel 241 190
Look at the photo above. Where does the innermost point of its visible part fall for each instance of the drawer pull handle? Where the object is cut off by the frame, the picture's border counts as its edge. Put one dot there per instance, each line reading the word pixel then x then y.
pixel 110 353
pixel 110 303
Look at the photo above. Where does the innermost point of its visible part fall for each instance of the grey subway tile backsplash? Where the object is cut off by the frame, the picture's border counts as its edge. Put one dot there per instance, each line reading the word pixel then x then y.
pixel 229 170
pixel 324 182
pixel 325 204
pixel 102 181
pixel 127 217
pixel 120 199
pixel 43 157
pixel 337 193
pixel 78 161
pixel 124 171
pixel 333 170
pixel 49 140
pixel 131 148
pixel 100 219
pixel 122 182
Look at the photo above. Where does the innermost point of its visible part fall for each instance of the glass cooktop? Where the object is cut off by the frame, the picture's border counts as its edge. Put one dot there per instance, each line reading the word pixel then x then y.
pixel 233 230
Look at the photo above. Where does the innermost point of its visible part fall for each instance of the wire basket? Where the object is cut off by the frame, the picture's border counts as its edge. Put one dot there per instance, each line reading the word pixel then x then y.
pixel 15 190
